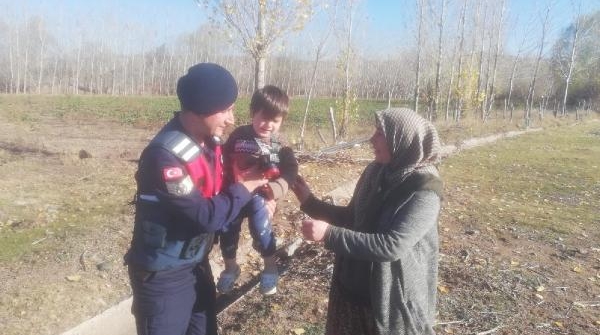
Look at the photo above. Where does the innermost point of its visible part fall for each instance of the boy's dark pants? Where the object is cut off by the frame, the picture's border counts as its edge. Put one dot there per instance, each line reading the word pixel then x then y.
pixel 260 227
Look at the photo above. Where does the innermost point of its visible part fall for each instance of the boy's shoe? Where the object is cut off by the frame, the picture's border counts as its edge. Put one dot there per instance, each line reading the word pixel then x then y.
pixel 268 283
pixel 227 280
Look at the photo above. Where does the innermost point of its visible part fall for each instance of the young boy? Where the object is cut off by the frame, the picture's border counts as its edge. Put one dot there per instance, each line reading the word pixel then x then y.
pixel 257 144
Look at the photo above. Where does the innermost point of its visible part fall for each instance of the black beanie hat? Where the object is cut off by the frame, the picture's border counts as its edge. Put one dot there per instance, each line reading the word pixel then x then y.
pixel 206 89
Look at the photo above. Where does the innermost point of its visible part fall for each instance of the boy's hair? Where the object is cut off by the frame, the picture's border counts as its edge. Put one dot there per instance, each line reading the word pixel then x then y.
pixel 271 100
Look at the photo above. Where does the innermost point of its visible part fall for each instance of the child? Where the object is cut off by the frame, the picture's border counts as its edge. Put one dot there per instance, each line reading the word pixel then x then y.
pixel 257 144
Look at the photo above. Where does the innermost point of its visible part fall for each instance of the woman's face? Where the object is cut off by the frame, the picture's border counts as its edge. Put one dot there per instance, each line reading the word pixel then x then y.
pixel 382 152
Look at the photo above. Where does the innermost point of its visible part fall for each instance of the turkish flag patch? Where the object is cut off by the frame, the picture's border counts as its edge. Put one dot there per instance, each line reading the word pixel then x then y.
pixel 172 173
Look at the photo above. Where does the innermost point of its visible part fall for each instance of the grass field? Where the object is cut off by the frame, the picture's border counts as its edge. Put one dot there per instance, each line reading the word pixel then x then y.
pixel 513 209
pixel 544 181
pixel 152 112
pixel 146 111
pixel 520 235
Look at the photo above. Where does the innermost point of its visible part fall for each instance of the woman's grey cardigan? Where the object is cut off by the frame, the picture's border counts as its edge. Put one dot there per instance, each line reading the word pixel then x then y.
pixel 404 256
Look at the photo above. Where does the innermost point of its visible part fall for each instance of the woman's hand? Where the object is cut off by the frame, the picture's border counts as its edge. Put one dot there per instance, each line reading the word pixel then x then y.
pixel 314 230
pixel 301 189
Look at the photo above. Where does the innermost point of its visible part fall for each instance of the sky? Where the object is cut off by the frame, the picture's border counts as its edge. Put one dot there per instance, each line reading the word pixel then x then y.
pixel 387 17
pixel 383 26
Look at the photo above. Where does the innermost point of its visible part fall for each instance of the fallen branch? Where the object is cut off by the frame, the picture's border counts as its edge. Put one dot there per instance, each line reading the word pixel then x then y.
pixel 38 241
pixel 569 311
pixel 450 322
pixel 492 312
pixel 587 303
pixel 493 330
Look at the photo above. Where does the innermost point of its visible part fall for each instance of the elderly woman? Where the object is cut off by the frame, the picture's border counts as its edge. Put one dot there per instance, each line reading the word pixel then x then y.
pixel 385 239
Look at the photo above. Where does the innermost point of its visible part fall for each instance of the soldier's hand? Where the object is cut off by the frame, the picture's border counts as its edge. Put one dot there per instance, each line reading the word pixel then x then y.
pixel 251 178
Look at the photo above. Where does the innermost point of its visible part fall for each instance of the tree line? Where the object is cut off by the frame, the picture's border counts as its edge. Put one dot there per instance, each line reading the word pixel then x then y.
pixel 458 64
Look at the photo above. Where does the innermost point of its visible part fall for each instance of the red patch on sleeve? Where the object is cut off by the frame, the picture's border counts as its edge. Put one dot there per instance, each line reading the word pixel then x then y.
pixel 172 173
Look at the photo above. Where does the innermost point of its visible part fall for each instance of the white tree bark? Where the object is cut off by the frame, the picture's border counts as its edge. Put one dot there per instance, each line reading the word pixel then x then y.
pixel 531 91
pixel 78 65
pixel 318 53
pixel 42 40
pixel 347 51
pixel 500 29
pixel 421 7
pixel 576 30
pixel 459 98
pixel 438 65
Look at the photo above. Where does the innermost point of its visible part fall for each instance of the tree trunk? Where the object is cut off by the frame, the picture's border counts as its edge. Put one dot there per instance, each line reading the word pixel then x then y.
pixel 54 74
pixel 481 54
pixel 438 66
pixel 449 93
pixel 259 72
pixel 512 79
pixel 12 85
pixel 457 113
pixel 18 54
pixel 78 66
pixel 421 4
pixel 347 87
pixel 571 66
pixel 26 63
pixel 496 55
pixel 313 76
pixel 531 92
pixel 41 64
pixel 260 48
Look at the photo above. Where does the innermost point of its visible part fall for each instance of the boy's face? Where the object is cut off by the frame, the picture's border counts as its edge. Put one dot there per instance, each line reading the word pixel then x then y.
pixel 265 126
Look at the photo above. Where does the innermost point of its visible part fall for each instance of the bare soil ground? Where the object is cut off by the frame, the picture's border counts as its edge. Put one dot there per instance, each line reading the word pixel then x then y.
pixel 66 189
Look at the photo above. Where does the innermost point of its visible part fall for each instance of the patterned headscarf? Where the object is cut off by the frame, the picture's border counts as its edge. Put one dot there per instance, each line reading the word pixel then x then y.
pixel 415 148
pixel 413 141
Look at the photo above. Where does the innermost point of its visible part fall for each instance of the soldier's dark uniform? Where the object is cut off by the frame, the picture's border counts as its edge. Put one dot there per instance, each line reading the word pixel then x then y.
pixel 180 204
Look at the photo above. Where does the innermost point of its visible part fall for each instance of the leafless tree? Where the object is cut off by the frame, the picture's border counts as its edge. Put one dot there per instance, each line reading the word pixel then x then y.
pixel 421 8
pixel 318 54
pixel 347 53
pixel 438 65
pixel 259 23
pixel 531 91
pixel 458 108
pixel 78 65
pixel 575 31
pixel 515 62
pixel 499 30
pixel 450 84
pixel 42 40
pixel 480 29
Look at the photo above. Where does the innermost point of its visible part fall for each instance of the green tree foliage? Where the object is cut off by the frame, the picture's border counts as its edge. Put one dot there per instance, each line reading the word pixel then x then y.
pixel 467 92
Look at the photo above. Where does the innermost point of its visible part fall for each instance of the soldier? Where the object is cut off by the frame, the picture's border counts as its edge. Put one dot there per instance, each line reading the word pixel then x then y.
pixel 180 203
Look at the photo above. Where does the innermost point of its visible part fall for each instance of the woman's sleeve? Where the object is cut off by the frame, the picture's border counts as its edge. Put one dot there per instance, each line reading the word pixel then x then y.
pixel 289 171
pixel 341 216
pixel 415 219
